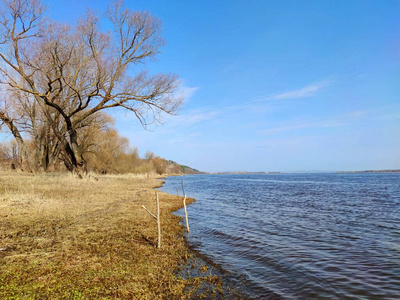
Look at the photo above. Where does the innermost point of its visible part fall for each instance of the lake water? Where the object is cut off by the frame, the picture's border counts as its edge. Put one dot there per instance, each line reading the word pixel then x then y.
pixel 299 236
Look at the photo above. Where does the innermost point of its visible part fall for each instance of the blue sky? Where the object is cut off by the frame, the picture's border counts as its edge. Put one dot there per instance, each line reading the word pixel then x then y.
pixel 274 85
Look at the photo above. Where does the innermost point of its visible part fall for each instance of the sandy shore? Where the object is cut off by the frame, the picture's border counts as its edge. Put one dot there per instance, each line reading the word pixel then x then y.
pixel 67 238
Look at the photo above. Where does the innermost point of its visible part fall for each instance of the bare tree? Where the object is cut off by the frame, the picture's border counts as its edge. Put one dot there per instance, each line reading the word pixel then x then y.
pixel 27 123
pixel 74 73
pixel 43 145
pixel 8 117
pixel 8 154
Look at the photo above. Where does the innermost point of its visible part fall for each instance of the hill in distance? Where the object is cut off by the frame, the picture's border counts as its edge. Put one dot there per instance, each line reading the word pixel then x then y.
pixel 175 168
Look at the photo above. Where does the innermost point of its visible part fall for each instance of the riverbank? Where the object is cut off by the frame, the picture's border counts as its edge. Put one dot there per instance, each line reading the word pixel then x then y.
pixel 67 238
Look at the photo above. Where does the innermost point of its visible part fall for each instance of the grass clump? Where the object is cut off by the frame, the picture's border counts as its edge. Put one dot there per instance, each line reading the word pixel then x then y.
pixel 67 238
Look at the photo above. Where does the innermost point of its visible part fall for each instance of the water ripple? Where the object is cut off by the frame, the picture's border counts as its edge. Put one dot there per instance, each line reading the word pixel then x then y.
pixel 300 236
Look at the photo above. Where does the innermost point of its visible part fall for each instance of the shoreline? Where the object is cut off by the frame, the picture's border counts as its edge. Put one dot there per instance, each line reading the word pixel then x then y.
pixel 234 286
pixel 199 264
pixel 63 237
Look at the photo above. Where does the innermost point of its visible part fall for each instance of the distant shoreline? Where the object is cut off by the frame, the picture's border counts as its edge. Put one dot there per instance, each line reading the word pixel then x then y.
pixel 233 172
pixel 369 171
pixel 308 172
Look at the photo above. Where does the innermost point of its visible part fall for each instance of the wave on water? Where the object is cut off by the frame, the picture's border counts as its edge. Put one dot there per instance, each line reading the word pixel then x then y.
pixel 299 236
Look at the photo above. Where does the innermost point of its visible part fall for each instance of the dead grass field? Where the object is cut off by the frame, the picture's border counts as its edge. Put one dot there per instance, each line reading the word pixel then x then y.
pixel 67 238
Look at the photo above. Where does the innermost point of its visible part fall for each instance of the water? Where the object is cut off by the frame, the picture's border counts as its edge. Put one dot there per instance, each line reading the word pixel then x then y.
pixel 299 236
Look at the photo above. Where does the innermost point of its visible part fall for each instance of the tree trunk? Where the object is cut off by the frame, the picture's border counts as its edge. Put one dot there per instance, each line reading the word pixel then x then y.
pixel 71 151
pixel 75 151
pixel 23 160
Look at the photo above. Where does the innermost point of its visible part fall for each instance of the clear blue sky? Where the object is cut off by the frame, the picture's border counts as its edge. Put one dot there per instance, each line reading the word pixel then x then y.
pixel 274 85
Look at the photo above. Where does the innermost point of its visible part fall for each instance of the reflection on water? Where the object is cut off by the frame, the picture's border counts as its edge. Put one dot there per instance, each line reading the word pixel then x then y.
pixel 300 236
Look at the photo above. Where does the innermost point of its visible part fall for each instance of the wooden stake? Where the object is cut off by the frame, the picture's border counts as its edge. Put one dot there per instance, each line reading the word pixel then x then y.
pixel 186 215
pixel 158 222
pixel 183 189
pixel 150 213
pixel 184 206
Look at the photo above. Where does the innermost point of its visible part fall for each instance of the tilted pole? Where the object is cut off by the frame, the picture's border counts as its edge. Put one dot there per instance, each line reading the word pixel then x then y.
pixel 158 222
pixel 184 207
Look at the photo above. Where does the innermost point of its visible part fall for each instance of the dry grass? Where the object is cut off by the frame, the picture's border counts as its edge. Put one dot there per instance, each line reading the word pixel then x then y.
pixel 67 238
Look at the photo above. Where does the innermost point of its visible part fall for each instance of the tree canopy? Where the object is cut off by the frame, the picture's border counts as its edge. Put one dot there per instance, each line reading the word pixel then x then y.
pixel 57 79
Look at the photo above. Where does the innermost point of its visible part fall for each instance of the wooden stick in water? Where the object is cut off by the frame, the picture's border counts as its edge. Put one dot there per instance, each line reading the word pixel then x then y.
pixel 183 189
pixel 186 215
pixel 184 206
